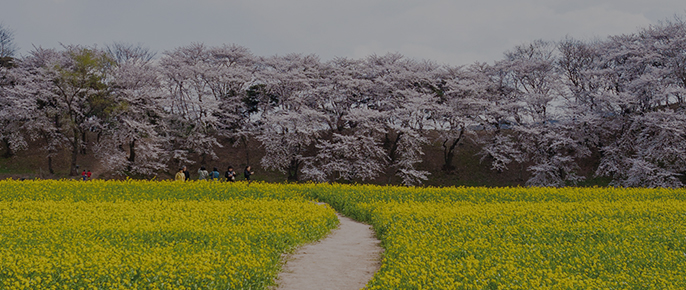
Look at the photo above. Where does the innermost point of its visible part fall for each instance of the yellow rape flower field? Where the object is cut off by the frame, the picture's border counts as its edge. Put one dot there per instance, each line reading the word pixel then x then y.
pixel 150 235
pixel 204 235
pixel 522 238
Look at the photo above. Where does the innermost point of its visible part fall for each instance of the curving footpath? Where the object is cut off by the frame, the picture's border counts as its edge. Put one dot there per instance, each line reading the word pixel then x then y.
pixel 346 259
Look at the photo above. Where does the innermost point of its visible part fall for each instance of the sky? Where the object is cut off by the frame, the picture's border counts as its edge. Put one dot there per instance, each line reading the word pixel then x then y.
pixel 447 32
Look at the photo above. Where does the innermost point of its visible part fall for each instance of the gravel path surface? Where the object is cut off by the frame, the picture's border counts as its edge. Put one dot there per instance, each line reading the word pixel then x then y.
pixel 346 259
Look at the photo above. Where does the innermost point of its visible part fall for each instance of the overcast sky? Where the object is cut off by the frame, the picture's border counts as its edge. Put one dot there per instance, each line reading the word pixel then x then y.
pixel 451 32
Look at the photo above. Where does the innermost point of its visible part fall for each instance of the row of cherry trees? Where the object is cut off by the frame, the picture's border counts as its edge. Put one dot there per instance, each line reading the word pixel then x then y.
pixel 545 106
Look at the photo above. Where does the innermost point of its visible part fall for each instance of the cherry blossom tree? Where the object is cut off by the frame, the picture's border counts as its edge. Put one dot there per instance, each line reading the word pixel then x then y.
pixel 206 88
pixel 7 46
pixel 545 108
pixel 536 133
pixel 192 107
pixel 121 52
pixel 290 123
pixel 460 108
pixel 641 133
pixel 137 120
pixel 344 152
pixel 400 97
pixel 67 91
pixel 230 79
pixel 42 120
pixel 12 115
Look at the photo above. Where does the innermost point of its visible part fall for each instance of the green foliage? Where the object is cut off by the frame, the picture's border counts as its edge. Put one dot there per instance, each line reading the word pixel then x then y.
pixel 259 94
pixel 7 62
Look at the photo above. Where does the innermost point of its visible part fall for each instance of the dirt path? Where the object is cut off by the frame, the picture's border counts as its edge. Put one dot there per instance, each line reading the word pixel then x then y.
pixel 346 259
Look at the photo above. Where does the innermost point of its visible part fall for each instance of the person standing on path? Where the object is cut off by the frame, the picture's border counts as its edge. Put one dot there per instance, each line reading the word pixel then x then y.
pixel 186 173
pixel 202 173
pixel 83 175
pixel 180 176
pixel 247 173
pixel 214 175
pixel 230 175
pixel 89 174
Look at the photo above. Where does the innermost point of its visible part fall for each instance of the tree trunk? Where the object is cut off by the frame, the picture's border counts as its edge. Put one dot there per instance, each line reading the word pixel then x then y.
pixel 449 153
pixel 51 152
pixel 132 151
pixel 448 156
pixel 132 154
pixel 74 153
pixel 8 153
pixel 50 165
pixel 244 140
pixel 293 170
pixel 83 142
pixel 392 146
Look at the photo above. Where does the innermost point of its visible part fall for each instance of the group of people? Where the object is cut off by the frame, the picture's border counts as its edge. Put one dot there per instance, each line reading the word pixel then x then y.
pixel 203 174
pixel 86 175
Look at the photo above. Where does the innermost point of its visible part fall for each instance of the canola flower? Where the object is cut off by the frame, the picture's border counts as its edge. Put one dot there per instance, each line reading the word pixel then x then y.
pixel 202 235
pixel 150 235
pixel 102 190
pixel 521 238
